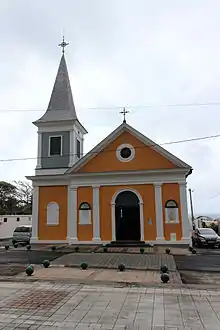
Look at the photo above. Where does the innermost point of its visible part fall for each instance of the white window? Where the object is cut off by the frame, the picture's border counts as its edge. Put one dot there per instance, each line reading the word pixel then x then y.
pixel 52 214
pixel 55 145
pixel 84 214
pixel 171 211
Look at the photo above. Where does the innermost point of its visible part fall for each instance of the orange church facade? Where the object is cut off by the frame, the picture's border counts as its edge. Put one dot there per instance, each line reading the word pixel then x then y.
pixel 126 189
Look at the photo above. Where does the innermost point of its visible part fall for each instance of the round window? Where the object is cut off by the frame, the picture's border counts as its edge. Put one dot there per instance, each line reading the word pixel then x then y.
pixel 125 152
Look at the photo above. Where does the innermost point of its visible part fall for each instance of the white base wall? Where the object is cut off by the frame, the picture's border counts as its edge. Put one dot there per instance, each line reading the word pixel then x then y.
pixel 7 228
pixel 184 241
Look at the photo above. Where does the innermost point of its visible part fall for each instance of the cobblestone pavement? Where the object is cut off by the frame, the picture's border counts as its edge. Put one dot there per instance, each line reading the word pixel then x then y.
pixel 63 306
pixel 112 260
pixel 76 275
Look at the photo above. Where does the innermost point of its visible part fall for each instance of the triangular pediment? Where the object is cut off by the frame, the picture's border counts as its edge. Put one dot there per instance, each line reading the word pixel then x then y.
pixel 148 155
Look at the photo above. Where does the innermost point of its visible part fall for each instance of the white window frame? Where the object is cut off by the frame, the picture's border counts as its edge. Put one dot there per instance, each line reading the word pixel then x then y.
pixel 118 152
pixel 82 219
pixel 61 149
pixel 167 220
pixel 56 222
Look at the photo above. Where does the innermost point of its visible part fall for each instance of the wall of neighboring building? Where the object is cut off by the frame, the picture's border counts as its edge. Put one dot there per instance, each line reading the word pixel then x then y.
pixel 8 223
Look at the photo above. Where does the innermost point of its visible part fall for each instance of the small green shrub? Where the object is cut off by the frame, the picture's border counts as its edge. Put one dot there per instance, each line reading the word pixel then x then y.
pixel 53 248
pixel 46 263
pixel 167 250
pixel 105 249
pixel 141 250
pixel 164 269
pixel 28 247
pixel 121 267
pixel 76 249
pixel 164 277
pixel 7 247
pixel 84 265
pixel 29 270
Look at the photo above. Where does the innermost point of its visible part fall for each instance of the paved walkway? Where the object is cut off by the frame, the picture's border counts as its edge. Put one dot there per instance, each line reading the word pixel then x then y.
pixel 112 260
pixel 62 306
pixel 91 276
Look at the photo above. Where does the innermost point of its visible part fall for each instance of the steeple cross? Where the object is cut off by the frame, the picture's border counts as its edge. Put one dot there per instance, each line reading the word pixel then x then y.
pixel 63 45
pixel 124 112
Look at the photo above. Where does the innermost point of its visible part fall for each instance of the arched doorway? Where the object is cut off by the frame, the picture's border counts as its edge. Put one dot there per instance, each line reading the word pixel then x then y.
pixel 127 217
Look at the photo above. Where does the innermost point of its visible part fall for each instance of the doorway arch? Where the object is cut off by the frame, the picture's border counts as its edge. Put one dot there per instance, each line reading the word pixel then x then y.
pixel 127 215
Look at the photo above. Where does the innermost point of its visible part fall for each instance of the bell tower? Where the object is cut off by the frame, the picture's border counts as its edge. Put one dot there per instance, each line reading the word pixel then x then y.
pixel 60 133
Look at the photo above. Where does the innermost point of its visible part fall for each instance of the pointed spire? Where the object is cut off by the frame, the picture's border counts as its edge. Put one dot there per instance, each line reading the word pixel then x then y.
pixel 61 105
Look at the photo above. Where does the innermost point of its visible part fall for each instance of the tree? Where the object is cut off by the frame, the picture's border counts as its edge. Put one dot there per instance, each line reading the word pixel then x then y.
pixel 8 199
pixel 24 196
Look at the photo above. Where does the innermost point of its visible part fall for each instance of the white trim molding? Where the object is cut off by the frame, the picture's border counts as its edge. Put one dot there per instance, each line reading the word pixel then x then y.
pixel 119 149
pixel 39 149
pixel 140 210
pixel 159 212
pixel 96 214
pixel 35 214
pixel 72 215
pixel 71 148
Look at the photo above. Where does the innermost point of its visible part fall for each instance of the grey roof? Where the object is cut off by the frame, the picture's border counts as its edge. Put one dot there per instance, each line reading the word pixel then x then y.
pixel 61 106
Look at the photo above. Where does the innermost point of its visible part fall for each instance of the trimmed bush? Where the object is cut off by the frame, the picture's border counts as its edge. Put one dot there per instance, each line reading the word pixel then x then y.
pixel 164 269
pixel 84 265
pixel 28 247
pixel 105 249
pixel 16 245
pixel 76 249
pixel 46 263
pixel 164 277
pixel 53 248
pixel 141 250
pixel 167 250
pixel 6 247
pixel 121 267
pixel 29 270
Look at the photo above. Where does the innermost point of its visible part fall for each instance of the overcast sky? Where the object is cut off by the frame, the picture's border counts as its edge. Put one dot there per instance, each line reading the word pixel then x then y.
pixel 129 53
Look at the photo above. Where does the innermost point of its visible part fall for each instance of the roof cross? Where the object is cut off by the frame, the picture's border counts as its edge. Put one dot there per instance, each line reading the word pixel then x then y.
pixel 63 45
pixel 124 112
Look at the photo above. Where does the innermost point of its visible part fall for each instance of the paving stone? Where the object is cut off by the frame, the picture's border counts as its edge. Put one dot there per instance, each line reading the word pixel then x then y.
pixel 112 260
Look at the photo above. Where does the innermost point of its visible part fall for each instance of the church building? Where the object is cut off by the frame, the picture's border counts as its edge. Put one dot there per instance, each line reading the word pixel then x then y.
pixel 127 188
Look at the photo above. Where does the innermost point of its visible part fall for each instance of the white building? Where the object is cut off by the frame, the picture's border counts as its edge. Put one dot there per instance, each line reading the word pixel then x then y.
pixel 8 223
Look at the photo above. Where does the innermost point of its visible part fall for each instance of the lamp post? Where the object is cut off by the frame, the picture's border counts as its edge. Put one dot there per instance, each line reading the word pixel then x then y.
pixel 191 207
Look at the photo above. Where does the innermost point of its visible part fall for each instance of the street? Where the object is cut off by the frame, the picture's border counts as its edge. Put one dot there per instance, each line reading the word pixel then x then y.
pixel 22 256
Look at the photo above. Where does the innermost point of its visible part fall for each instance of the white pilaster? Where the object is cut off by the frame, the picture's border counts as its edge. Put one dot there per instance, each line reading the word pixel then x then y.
pixel 159 211
pixel 71 150
pixel 39 149
pixel 141 207
pixel 96 214
pixel 72 215
pixel 186 226
pixel 113 221
pixel 34 237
